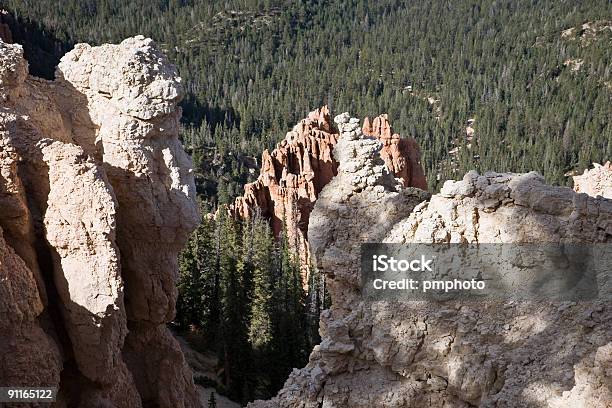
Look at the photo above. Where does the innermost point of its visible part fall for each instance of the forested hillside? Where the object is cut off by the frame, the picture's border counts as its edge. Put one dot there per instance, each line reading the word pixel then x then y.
pixel 254 67
pixel 488 85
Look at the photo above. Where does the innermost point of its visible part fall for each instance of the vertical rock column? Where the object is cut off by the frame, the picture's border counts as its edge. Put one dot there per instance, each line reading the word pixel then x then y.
pixel 55 200
pixel 80 227
pixel 292 175
pixel 132 94
pixel 96 200
pixel 28 355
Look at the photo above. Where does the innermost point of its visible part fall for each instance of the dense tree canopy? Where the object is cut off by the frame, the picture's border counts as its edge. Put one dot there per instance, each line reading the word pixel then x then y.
pixel 242 290
pixel 252 68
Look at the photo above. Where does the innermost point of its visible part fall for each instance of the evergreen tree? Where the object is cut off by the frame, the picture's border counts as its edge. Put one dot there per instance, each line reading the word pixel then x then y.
pixel 289 312
pixel 505 64
pixel 198 301
pixel 260 330
pixel 212 401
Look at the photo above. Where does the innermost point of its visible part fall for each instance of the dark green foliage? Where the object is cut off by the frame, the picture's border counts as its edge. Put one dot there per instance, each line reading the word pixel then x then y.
pixel 252 68
pixel 199 304
pixel 212 402
pixel 40 47
pixel 290 343
pixel 242 289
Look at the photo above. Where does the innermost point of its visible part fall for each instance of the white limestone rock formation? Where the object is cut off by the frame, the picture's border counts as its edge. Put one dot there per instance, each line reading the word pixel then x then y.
pixel 97 198
pixel 595 181
pixel 468 353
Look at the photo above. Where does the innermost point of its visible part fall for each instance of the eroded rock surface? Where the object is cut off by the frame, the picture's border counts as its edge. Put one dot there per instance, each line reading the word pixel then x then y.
pixel 291 178
pixel 595 181
pixel 96 200
pixel 401 154
pixel 28 355
pixel 454 353
pixel 294 173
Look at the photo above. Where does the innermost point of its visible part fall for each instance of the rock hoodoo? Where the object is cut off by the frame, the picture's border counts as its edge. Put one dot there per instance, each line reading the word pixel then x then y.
pixel 401 154
pixel 454 353
pixel 96 200
pixel 291 177
pixel 596 181
pixel 294 173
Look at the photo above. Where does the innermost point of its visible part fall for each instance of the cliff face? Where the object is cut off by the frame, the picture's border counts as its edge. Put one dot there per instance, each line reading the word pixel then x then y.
pixel 294 173
pixel 453 353
pixel 96 201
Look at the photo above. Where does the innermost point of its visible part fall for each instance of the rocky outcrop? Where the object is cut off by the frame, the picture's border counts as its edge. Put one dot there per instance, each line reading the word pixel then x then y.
pixel 294 173
pixel 291 178
pixel 596 181
pixel 29 356
pixel 450 353
pixel 96 200
pixel 401 154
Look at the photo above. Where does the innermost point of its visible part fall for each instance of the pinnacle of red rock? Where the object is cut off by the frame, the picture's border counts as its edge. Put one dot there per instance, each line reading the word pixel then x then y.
pixel 401 154
pixel 379 128
pixel 295 172
pixel 291 177
pixel 322 118
pixel 367 126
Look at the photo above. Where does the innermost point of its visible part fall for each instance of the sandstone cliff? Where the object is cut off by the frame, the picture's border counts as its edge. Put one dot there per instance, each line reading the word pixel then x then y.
pixel 96 201
pixel 294 173
pixel 454 353
pixel 291 177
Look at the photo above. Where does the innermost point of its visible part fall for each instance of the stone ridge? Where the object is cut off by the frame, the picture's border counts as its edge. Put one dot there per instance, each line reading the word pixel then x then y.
pixel 294 173
pixel 97 198
pixel 453 353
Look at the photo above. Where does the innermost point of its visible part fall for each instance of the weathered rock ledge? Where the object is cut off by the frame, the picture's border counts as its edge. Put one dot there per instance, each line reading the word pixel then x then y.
pixel 454 353
pixel 96 200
